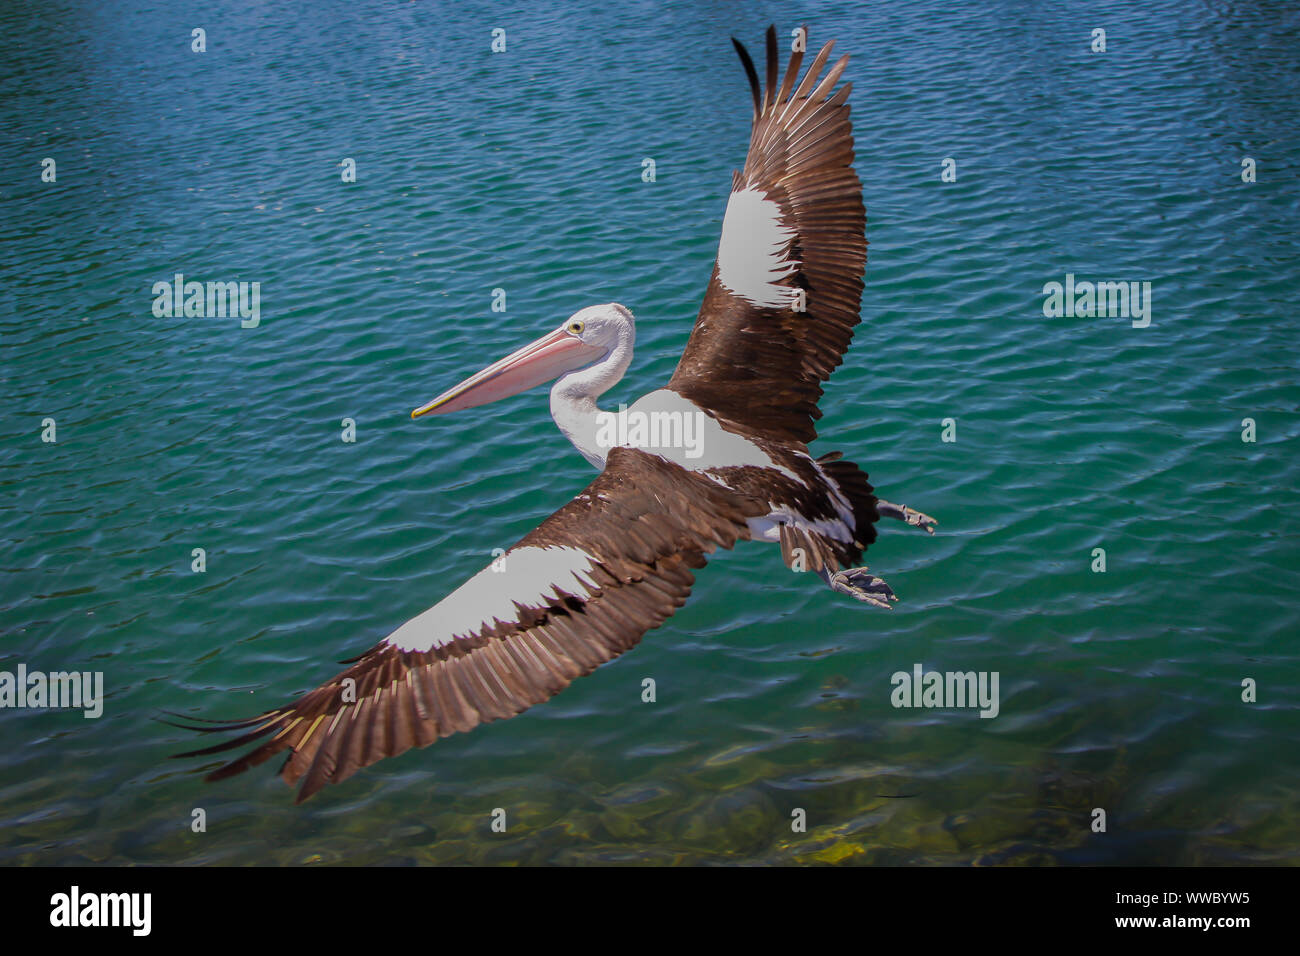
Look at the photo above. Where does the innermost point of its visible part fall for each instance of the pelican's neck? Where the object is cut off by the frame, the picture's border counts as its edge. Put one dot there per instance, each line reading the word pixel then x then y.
pixel 573 401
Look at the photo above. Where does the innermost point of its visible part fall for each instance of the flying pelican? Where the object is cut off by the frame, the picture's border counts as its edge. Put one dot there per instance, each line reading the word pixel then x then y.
pixel 616 561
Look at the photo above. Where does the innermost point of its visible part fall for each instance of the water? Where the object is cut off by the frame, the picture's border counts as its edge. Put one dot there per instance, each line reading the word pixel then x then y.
pixel 522 170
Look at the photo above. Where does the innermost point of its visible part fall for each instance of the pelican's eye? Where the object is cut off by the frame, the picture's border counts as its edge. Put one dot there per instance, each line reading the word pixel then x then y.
pixel 576 326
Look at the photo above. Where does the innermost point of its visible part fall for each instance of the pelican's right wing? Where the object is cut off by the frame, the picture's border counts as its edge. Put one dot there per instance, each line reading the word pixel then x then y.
pixel 577 591
pixel 786 288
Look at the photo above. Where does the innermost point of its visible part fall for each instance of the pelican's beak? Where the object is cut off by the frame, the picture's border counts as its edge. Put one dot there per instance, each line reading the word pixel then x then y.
pixel 546 359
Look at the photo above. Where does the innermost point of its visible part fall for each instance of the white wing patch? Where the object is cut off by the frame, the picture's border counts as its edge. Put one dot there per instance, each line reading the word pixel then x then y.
pixel 752 256
pixel 529 576
pixel 705 444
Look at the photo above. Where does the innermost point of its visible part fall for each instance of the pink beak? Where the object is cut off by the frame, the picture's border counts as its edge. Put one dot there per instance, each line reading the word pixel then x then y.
pixel 546 359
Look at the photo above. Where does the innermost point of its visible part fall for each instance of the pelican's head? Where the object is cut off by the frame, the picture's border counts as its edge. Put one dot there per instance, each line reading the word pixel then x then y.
pixel 596 334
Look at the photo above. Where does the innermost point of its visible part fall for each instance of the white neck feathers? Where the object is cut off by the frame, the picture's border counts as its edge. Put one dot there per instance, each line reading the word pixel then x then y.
pixel 573 399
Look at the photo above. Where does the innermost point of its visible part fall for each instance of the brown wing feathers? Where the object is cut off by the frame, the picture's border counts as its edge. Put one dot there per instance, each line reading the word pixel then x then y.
pixel 801 158
pixel 646 521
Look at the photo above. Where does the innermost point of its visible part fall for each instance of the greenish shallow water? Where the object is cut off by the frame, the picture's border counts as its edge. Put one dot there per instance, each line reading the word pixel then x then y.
pixel 1119 690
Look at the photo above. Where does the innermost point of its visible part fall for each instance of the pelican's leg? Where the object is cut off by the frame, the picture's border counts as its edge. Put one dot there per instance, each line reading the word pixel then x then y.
pixel 861 584
pixel 887 509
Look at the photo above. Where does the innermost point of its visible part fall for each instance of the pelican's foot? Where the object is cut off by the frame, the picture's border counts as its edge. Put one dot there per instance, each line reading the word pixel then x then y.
pixel 887 509
pixel 862 585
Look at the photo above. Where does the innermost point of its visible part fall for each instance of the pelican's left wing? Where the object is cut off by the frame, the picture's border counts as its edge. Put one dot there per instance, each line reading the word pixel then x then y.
pixel 579 590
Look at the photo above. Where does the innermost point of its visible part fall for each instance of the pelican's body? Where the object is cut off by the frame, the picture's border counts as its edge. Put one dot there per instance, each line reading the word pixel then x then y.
pixel 718 455
pixel 828 517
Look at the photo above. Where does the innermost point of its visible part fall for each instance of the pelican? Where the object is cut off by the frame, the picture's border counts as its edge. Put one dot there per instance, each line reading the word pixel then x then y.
pixel 718 455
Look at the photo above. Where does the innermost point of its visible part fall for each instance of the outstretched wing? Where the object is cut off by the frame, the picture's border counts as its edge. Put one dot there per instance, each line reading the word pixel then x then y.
pixel 783 300
pixel 579 590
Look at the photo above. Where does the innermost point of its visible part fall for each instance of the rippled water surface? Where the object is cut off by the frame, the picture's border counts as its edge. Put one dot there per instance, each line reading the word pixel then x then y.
pixel 1119 690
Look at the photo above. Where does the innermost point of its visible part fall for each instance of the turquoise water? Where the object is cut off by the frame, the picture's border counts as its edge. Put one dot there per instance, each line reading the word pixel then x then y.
pixel 1119 690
